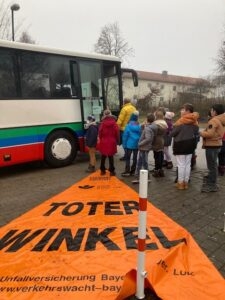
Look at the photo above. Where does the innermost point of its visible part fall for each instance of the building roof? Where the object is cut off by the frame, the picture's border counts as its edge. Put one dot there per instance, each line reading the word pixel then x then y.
pixel 165 77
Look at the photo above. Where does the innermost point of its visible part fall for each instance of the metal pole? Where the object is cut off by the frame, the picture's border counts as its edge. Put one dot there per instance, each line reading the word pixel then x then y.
pixel 14 7
pixel 141 273
pixel 12 25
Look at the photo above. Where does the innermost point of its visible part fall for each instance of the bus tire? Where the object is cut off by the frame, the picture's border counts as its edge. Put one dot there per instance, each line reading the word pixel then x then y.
pixel 60 149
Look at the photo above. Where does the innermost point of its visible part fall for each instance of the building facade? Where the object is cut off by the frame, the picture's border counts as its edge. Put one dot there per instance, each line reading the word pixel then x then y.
pixel 164 87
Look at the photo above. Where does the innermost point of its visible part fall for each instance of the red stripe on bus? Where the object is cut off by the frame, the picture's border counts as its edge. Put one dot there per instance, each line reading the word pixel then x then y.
pixel 21 154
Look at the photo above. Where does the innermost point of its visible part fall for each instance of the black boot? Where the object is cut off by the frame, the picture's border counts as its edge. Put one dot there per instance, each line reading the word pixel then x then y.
pixel 126 173
pixel 161 173
pixel 164 163
pixel 221 170
pixel 169 165
pixel 193 161
pixel 156 173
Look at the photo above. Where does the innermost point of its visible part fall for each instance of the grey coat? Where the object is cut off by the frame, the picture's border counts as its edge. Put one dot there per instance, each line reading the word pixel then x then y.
pixel 147 137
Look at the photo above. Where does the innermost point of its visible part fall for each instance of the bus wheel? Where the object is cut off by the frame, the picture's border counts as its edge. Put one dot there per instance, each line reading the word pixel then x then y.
pixel 60 149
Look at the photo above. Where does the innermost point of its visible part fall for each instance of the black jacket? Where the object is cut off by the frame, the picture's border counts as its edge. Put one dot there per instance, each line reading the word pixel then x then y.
pixel 92 135
pixel 185 140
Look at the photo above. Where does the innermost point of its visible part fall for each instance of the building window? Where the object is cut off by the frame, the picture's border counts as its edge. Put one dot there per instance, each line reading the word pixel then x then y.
pixel 161 99
pixel 174 100
pixel 162 86
pixel 174 88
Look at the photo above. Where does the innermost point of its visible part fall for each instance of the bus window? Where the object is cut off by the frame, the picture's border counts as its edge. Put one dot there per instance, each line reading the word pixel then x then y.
pixel 45 76
pixel 90 73
pixel 111 86
pixel 7 75
pixel 34 80
pixel 60 80
pixel 74 79
pixel 91 88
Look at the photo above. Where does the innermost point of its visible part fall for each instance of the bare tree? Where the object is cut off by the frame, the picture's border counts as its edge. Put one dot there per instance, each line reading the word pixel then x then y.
pixel 5 21
pixel 220 61
pixel 26 38
pixel 147 102
pixel 111 42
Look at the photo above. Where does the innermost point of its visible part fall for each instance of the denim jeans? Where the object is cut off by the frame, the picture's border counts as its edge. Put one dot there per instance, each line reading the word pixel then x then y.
pixel 211 160
pixel 128 153
pixel 142 161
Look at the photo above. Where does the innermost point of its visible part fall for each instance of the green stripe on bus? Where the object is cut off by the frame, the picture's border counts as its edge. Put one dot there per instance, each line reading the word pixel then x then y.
pixel 40 129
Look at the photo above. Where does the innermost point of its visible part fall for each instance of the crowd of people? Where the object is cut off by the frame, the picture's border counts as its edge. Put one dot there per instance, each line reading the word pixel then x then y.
pixel 164 137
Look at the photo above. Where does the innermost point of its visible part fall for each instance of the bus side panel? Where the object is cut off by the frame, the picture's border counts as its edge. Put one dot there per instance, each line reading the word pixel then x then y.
pixel 37 112
pixel 21 154
pixel 19 145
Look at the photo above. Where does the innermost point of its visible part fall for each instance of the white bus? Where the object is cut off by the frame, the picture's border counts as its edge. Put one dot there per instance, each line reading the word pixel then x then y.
pixel 45 97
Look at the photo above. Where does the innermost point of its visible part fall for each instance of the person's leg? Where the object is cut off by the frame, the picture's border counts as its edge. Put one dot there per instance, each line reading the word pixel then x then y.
pixel 157 159
pixel 134 163
pixel 92 152
pixel 221 160
pixel 128 153
pixel 181 171
pixel 210 181
pixel 167 157
pixel 139 163
pixel 211 159
pixel 111 166
pixel 160 161
pixel 193 160
pixel 102 164
pixel 142 163
pixel 187 170
pixel 166 153
pixel 121 143
pixel 145 160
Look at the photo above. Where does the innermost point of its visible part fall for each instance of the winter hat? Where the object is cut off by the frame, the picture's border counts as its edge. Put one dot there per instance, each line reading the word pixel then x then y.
pixel 91 118
pixel 133 102
pixel 134 116
pixel 218 108
pixel 107 112
pixel 169 115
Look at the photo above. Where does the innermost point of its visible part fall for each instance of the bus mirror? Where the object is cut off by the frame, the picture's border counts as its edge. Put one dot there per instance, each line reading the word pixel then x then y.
pixel 134 75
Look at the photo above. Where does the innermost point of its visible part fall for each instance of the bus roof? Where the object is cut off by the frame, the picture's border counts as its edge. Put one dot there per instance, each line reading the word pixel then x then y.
pixel 44 49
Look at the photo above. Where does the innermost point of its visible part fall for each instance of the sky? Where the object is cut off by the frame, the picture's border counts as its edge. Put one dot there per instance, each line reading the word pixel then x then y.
pixel 180 36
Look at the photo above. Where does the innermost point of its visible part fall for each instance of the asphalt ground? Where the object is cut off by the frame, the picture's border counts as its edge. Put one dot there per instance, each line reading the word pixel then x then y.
pixel 202 214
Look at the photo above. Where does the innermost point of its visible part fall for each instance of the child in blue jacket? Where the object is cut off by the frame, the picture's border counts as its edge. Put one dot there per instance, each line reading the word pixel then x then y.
pixel 131 136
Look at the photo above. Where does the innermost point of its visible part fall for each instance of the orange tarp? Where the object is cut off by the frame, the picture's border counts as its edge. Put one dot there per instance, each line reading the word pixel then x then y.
pixel 81 243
